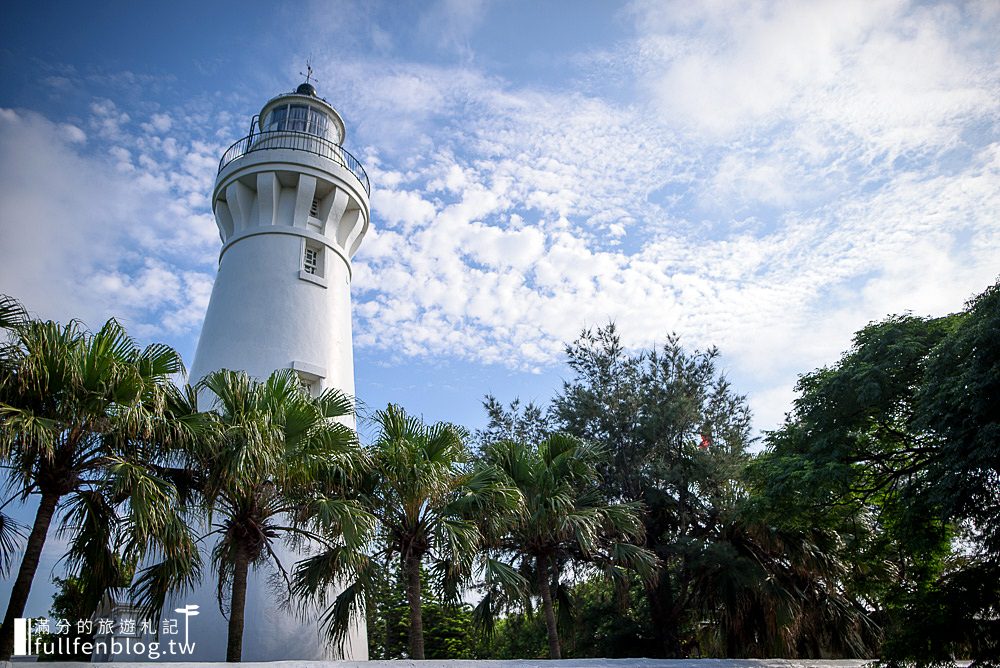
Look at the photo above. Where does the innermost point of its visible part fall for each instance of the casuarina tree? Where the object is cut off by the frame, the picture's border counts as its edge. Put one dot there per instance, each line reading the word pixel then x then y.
pixel 676 435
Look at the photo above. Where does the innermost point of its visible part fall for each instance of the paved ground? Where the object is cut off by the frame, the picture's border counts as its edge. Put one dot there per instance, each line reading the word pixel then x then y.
pixel 521 663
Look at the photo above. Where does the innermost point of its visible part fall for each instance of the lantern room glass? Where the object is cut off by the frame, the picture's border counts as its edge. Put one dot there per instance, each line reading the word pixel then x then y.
pixel 301 118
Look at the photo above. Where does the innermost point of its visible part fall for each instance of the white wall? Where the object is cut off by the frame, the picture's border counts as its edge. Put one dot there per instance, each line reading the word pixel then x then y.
pixel 266 314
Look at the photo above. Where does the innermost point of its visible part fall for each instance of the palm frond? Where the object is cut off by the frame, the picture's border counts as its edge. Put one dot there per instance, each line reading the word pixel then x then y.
pixel 150 498
pixel 12 314
pixel 458 541
pixel 92 524
pixel 175 573
pixel 349 606
pixel 333 403
pixel 11 534
pixel 30 435
pixel 314 575
pixel 504 587
pixel 636 559
pixel 159 360
pixel 347 518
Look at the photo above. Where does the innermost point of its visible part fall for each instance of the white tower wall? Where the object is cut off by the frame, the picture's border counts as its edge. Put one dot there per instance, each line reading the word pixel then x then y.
pixel 266 312
pixel 246 332
pixel 280 194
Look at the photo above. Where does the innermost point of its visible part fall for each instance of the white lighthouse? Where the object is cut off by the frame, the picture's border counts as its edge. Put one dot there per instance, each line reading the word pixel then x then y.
pixel 292 208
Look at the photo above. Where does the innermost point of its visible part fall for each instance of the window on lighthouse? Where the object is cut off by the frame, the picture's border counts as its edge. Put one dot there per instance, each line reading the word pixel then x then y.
pixel 310 263
pixel 300 118
pixel 309 385
pixel 312 268
pixel 298 115
pixel 277 118
pixel 318 123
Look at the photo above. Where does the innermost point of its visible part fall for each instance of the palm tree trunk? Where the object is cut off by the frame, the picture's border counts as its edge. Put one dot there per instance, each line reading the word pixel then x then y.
pixel 411 567
pixel 545 590
pixel 26 574
pixel 237 606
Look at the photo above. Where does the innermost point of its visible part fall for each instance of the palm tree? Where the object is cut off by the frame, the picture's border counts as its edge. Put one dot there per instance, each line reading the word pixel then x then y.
pixel 423 496
pixel 772 591
pixel 85 418
pixel 279 466
pixel 566 520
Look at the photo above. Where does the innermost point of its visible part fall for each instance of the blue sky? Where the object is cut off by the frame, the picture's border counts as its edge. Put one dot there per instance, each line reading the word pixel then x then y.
pixel 765 177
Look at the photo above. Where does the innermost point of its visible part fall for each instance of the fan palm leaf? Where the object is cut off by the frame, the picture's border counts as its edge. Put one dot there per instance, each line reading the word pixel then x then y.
pixel 86 421
pixel 566 519
pixel 277 470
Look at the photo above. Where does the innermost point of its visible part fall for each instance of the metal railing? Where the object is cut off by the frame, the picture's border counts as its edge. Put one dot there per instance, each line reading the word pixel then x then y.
pixel 296 141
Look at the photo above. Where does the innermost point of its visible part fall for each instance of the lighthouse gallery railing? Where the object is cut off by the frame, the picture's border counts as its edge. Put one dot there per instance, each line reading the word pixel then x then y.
pixel 296 141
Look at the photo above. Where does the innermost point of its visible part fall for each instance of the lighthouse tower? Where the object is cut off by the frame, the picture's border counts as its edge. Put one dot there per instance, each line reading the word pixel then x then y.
pixel 292 208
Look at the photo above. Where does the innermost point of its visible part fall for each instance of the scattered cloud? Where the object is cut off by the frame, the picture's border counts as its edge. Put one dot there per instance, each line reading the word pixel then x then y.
pixel 95 231
pixel 789 172
pixel 796 171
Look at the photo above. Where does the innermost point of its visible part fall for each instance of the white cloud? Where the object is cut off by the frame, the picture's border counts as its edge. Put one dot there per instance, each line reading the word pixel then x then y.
pixel 449 24
pixel 108 232
pixel 52 215
pixel 72 133
pixel 890 72
pixel 403 207
pixel 792 171
pixel 866 211
pixel 107 120
pixel 160 122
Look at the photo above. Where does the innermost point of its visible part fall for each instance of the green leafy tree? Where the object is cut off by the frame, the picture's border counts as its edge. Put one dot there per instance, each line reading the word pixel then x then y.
pixel 603 623
pixel 279 467
pixel 895 448
pixel 605 620
pixel 566 522
pixel 423 494
pixel 849 458
pixel 959 402
pixel 85 419
pixel 517 636
pixel 522 423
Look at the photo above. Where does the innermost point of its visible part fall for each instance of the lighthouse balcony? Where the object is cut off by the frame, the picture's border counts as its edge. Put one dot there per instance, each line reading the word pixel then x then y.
pixel 296 141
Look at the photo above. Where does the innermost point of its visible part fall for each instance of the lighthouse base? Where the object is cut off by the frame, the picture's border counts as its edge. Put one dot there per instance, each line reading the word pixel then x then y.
pixel 273 630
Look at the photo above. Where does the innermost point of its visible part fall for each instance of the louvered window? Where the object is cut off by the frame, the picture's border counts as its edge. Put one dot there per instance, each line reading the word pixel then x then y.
pixel 309 385
pixel 310 263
